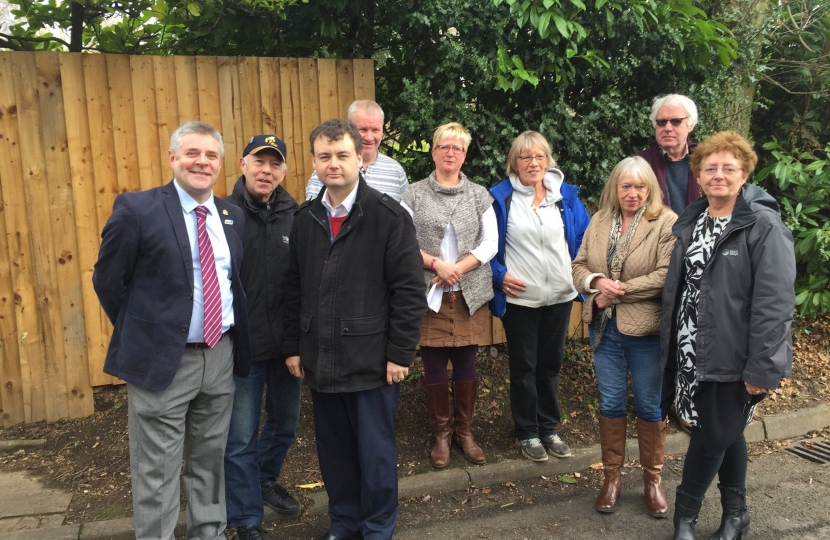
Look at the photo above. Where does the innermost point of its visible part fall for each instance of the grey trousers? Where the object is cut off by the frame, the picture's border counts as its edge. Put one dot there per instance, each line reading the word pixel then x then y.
pixel 190 416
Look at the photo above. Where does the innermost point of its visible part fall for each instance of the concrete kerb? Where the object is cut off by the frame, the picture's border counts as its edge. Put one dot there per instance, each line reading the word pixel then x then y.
pixel 448 481
pixel 15 445
pixel 440 482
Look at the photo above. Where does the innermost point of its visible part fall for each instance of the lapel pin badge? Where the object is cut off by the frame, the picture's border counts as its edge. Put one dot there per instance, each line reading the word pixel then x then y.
pixel 224 212
pixel 228 222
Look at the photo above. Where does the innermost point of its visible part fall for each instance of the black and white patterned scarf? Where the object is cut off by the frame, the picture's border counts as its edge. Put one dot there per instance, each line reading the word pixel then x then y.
pixel 616 254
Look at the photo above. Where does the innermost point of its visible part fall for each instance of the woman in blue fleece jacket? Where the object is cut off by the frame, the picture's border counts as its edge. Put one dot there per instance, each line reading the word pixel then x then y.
pixel 541 222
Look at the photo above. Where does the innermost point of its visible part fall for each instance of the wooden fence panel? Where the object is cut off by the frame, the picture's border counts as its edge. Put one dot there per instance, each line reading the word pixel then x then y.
pixel 78 129
pixel 16 406
pixel 62 259
pixel 146 122
pixel 292 128
pixel 86 227
pixel 167 108
pixel 187 88
pixel 252 116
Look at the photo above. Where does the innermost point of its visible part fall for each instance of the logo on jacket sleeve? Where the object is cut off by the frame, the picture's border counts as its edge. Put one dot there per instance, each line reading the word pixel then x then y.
pixel 730 253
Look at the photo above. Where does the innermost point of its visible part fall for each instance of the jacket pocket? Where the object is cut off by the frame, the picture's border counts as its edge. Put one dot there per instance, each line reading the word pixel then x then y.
pixel 363 343
pixel 308 342
pixel 305 321
pixel 136 335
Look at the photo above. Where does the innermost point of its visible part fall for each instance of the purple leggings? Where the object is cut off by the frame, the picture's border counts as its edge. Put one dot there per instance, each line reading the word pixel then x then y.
pixel 435 363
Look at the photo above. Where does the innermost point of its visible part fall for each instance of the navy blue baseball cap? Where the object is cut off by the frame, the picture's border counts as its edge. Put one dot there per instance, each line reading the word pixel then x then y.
pixel 261 142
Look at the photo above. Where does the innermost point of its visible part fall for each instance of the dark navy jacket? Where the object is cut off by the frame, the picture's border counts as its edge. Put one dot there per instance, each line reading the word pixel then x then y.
pixel 144 281
pixel 574 216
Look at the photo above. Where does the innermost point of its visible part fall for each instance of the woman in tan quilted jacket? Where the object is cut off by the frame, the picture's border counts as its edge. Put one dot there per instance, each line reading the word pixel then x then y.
pixel 621 268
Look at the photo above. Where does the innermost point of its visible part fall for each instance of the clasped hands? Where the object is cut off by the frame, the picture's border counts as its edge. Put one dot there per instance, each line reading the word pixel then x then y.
pixel 446 273
pixel 609 290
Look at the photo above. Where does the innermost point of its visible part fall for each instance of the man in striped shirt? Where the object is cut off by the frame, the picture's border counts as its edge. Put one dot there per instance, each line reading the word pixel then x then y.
pixel 381 172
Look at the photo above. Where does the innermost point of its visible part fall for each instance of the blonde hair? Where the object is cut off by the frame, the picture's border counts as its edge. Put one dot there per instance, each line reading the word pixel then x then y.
pixel 453 129
pixel 724 141
pixel 524 143
pixel 638 169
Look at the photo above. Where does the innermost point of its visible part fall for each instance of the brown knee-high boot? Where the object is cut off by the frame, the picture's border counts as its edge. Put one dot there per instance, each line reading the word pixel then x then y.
pixel 438 405
pixel 464 398
pixel 612 441
pixel 652 439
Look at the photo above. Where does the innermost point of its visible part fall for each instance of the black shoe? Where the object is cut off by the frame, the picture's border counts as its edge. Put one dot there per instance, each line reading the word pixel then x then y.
pixel 254 532
pixel 734 523
pixel 686 510
pixel 275 496
pixel 329 536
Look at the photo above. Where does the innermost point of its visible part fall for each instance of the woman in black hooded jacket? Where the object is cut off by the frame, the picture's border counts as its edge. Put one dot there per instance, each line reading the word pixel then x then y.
pixel 725 332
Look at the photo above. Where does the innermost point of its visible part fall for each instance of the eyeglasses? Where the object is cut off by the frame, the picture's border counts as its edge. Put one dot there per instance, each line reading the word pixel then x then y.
pixel 444 148
pixel 527 159
pixel 674 121
pixel 727 170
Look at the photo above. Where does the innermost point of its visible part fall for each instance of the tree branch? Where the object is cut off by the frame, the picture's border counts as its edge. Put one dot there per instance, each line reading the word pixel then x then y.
pixel 26 39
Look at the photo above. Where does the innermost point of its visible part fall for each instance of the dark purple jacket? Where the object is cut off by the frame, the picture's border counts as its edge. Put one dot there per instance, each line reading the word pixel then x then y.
pixel 654 156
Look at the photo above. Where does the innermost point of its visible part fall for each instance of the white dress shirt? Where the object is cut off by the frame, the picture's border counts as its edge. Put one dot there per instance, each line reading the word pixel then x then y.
pixel 484 251
pixel 221 255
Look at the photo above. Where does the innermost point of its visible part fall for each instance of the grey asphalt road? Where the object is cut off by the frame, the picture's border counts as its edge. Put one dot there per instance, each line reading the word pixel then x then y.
pixel 789 499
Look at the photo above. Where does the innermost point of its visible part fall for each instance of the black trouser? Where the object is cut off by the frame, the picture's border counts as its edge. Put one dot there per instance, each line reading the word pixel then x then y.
pixel 358 461
pixel 701 466
pixel 536 343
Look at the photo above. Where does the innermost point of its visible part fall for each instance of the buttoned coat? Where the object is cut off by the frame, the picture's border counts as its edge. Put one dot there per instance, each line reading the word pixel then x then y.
pixel 144 281
pixel 642 276
pixel 354 302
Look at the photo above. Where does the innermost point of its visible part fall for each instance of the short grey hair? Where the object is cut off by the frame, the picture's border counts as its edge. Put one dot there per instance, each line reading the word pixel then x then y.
pixel 367 105
pixel 195 126
pixel 674 100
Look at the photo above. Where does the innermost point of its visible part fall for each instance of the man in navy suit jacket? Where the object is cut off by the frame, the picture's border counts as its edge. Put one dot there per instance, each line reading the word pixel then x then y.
pixel 178 368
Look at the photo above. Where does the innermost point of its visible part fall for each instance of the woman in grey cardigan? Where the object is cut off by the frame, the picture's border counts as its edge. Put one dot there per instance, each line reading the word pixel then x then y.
pixel 456 229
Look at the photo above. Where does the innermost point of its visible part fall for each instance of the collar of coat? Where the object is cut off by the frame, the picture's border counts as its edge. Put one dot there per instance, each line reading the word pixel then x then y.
pixel 744 212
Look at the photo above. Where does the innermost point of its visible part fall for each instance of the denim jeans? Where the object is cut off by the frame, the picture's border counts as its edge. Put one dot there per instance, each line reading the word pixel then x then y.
pixel 250 459
pixel 618 354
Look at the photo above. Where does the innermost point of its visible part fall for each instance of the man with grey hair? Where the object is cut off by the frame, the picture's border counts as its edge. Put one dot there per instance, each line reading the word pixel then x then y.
pixel 254 458
pixel 168 278
pixel 380 172
pixel 673 116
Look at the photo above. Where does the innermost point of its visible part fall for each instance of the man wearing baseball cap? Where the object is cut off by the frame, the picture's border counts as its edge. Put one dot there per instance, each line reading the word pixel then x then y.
pixel 253 462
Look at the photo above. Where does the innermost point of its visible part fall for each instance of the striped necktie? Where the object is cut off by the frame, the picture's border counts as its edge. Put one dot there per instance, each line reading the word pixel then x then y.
pixel 210 283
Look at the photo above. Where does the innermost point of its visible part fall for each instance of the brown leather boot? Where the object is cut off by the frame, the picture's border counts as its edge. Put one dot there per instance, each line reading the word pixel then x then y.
pixel 652 439
pixel 464 398
pixel 612 441
pixel 438 405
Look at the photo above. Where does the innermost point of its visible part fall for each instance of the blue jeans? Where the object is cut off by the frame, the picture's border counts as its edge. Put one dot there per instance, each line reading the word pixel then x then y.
pixel 251 460
pixel 618 354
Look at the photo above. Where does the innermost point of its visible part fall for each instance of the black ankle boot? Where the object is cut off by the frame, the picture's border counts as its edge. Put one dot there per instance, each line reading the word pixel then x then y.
pixel 686 510
pixel 734 523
